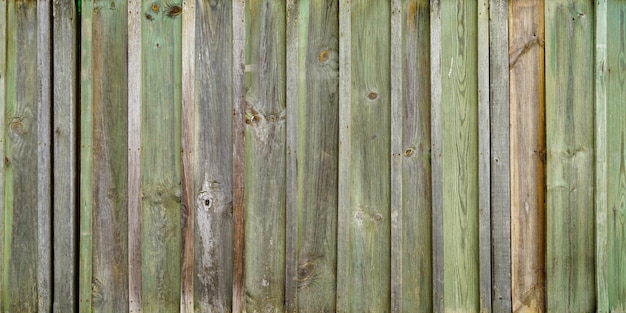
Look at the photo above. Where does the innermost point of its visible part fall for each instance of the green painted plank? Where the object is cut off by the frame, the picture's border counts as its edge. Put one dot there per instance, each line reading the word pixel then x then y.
pixel 460 155
pixel 213 158
pixel 616 154
pixel 160 156
pixel 105 127
pixel 65 122
pixel 3 73
pixel 569 128
pixel 25 176
pixel 415 147
pixel 265 156
pixel 369 225
pixel 317 154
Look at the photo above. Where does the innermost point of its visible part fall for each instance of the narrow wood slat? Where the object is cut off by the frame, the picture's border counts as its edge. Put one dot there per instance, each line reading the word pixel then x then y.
pixel 213 157
pixel 436 156
pixel 485 122
pixel 239 165
pixel 569 134
pixel 527 151
pixel 343 192
pixel 415 150
pixel 188 147
pixel 265 155
pixel 3 90
pixel 134 156
pixel 500 157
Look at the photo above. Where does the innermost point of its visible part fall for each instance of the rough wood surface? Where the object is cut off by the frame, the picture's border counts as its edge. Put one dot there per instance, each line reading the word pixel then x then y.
pixel 415 153
pixel 317 154
pixel 397 208
pixel 3 90
pixel 500 157
pixel 460 155
pixel 569 136
pixel 265 156
pixel 161 193
pixel 616 154
pixel 65 123
pixel 527 148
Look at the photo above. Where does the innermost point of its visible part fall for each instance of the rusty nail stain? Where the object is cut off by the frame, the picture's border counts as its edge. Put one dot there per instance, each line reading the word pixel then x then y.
pixel 372 95
pixel 174 10
pixel 324 56
pixel 155 7
pixel 409 152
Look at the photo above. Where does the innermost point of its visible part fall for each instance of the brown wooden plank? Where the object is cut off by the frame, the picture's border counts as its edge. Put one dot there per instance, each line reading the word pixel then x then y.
pixel 527 135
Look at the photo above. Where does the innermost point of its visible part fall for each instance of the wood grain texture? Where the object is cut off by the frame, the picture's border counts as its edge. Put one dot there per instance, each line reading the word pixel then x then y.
pixel 616 154
pixel 265 156
pixel 213 200
pixel 500 156
pixel 3 90
pixel 397 208
pixel 415 152
pixel 65 122
pixel 160 157
pixel 317 154
pixel 370 118
pixel 104 135
pixel 569 135
pixel 239 159
pixel 25 285
pixel 527 149
pixel 460 155
pixel 436 132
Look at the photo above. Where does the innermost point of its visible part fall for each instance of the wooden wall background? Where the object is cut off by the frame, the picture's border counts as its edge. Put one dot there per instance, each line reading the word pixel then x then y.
pixel 313 156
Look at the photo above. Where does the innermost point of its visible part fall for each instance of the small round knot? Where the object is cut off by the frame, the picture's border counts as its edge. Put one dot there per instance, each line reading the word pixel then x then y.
pixel 324 56
pixel 409 152
pixel 372 95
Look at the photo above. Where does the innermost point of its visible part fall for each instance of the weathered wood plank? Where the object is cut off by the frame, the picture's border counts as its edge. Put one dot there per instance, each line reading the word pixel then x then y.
pixel 527 150
pixel 188 146
pixel 500 157
pixel 370 118
pixel 616 154
pixel 316 109
pixel 484 157
pixel 26 234
pixel 600 154
pixel 3 81
pixel 135 96
pixel 265 155
pixel 65 122
pixel 343 175
pixel 460 155
pixel 569 136
pixel 160 156
pixel 415 150
pixel 86 196
pixel 213 151
pixel 436 131
pixel 239 158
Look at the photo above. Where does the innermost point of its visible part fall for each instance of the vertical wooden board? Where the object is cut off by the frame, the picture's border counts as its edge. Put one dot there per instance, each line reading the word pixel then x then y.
pixel 109 156
pixel 569 136
pixel 265 156
pixel 3 73
pixel 21 259
pixel 369 225
pixel 65 119
pixel 616 156
pixel 460 155
pixel 160 156
pixel 317 154
pixel 415 152
pixel 213 159
pixel 527 144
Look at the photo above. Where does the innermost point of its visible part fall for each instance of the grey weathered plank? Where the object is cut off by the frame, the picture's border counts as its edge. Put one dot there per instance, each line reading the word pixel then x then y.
pixel 436 130
pixel 570 250
pixel 134 156
pixel 500 160
pixel 316 110
pixel 415 150
pixel 265 155
pixel 3 73
pixel 527 155
pixel 213 151
pixel 239 159
pixel 65 122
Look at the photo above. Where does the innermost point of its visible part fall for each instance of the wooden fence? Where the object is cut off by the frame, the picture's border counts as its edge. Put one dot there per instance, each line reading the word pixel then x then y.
pixel 313 156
